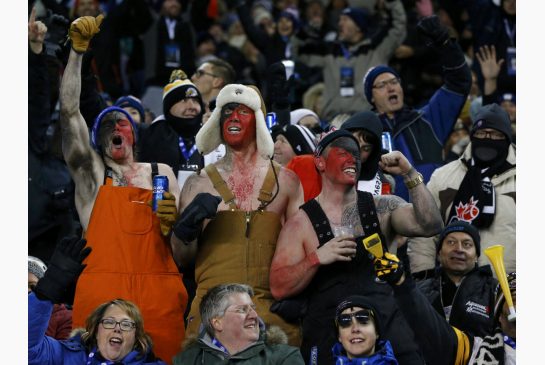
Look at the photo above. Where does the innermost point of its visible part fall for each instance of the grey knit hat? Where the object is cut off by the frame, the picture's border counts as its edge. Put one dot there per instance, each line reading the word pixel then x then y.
pixel 36 267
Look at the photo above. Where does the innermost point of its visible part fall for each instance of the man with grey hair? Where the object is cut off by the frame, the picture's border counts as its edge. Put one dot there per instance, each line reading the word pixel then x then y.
pixel 232 329
pixel 233 238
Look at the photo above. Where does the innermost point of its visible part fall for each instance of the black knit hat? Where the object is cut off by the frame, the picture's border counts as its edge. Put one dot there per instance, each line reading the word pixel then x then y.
pixel 300 139
pixel 359 16
pixel 330 137
pixel 495 117
pixel 180 87
pixel 461 226
pixel 362 302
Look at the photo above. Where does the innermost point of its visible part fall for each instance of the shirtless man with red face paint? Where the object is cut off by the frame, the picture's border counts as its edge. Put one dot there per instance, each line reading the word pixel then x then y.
pixel 323 267
pixel 132 256
pixel 232 211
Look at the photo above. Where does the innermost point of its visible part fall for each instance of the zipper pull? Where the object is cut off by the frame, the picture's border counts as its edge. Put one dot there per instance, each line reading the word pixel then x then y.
pixel 248 216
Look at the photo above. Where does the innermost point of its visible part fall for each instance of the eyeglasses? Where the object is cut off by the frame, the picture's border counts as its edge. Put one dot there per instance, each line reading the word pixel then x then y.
pixel 200 73
pixel 362 317
pixel 381 85
pixel 366 148
pixel 124 325
pixel 495 135
pixel 243 309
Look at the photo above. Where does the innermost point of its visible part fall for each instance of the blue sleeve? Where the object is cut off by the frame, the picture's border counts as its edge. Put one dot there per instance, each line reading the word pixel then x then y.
pixel 42 350
pixel 442 111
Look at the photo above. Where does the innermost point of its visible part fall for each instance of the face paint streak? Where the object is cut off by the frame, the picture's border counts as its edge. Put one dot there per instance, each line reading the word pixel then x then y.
pixel 336 161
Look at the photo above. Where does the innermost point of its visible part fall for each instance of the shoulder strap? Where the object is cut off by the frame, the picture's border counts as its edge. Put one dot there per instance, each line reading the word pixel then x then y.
pixel 221 186
pixel 319 221
pixel 154 170
pixel 265 194
pixel 108 176
pixel 369 217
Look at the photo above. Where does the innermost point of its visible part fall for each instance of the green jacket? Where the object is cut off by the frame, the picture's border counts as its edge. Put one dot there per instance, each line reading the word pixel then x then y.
pixel 265 351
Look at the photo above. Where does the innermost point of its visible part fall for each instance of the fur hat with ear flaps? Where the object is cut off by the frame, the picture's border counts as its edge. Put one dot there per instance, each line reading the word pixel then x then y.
pixel 210 136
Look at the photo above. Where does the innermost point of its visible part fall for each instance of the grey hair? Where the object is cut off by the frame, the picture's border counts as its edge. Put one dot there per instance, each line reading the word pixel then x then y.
pixel 216 301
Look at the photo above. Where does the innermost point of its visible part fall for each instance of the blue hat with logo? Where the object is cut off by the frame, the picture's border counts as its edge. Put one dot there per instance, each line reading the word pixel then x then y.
pixel 358 16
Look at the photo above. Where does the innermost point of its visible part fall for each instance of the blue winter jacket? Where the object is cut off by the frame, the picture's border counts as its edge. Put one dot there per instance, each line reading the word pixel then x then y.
pixel 384 355
pixel 45 350
pixel 421 133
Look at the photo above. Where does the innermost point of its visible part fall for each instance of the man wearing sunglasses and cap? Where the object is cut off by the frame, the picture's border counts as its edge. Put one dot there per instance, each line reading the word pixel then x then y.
pixel 131 252
pixel 314 263
pixel 359 332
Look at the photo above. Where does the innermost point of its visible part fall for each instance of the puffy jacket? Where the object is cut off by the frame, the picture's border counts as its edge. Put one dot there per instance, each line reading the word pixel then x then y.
pixel 268 350
pixel 44 350
pixel 473 304
pixel 444 185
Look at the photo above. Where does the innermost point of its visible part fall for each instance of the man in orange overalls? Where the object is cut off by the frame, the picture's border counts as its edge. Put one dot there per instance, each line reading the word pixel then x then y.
pixel 131 253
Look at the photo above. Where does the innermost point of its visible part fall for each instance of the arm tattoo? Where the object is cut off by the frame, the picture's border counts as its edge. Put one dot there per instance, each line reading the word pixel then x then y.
pixel 388 203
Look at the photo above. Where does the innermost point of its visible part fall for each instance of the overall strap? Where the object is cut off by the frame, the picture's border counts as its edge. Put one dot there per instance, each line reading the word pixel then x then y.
pixel 154 170
pixel 108 176
pixel 265 194
pixel 220 186
pixel 369 217
pixel 319 221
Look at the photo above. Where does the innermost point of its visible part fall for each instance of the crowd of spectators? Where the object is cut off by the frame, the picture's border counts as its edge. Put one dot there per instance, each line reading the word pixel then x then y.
pixel 278 124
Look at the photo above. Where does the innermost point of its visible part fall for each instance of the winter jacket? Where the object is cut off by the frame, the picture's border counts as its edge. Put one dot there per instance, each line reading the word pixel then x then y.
pixel 270 349
pixel 473 304
pixel 384 355
pixel 444 185
pixel 442 344
pixel 421 133
pixel 359 57
pixel 44 350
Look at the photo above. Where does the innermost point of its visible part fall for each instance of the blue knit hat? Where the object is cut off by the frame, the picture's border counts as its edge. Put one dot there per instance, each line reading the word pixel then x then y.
pixel 359 16
pixel 293 15
pixel 370 77
pixel 461 226
pixel 131 101
pixel 98 121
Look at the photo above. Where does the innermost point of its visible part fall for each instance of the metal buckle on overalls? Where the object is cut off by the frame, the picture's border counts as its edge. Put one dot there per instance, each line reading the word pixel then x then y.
pixel 190 167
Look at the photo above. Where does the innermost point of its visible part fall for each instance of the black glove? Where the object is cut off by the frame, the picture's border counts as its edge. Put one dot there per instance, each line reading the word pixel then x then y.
pixel 388 268
pixel 188 225
pixel 278 87
pixel 432 28
pixel 63 271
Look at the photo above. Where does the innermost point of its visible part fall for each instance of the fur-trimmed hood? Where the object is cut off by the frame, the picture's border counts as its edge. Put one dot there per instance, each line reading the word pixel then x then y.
pixel 272 335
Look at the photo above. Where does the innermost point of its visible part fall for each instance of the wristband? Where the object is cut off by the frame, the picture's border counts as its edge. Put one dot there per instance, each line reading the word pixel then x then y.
pixel 414 182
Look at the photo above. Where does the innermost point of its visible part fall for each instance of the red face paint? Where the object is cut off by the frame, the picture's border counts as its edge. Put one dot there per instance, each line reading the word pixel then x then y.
pixel 341 166
pixel 239 128
pixel 122 139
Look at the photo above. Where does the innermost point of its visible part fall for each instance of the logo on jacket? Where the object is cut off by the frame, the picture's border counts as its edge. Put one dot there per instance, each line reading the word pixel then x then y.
pixel 467 212
pixel 476 308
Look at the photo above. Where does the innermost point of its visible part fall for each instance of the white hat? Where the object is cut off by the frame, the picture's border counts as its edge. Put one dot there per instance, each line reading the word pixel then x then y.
pixel 209 136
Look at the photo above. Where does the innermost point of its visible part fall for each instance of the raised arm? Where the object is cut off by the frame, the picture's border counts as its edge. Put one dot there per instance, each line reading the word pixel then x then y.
pixel 398 31
pixel 422 216
pixel 84 164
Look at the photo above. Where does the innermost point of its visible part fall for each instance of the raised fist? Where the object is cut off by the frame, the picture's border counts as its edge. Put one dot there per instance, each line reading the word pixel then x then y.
pixel 82 31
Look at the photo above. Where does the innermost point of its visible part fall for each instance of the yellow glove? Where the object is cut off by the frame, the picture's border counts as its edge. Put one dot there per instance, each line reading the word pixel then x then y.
pixel 167 212
pixel 388 268
pixel 82 30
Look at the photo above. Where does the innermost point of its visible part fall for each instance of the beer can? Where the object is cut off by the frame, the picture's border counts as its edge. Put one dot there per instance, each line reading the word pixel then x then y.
pixel 387 142
pixel 160 186
pixel 270 120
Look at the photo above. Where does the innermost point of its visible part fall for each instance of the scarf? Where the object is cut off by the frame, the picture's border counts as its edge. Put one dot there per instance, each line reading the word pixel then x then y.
pixel 185 127
pixel 491 350
pixel 383 356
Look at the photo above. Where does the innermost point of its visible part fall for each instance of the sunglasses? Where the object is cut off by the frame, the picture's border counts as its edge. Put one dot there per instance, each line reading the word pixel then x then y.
pixel 362 317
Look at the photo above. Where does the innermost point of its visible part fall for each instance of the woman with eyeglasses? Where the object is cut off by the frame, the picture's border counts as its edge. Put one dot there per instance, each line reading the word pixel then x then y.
pixel 114 331
pixel 358 329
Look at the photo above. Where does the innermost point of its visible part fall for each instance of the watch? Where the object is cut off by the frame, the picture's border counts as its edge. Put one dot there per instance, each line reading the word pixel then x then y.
pixel 414 182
